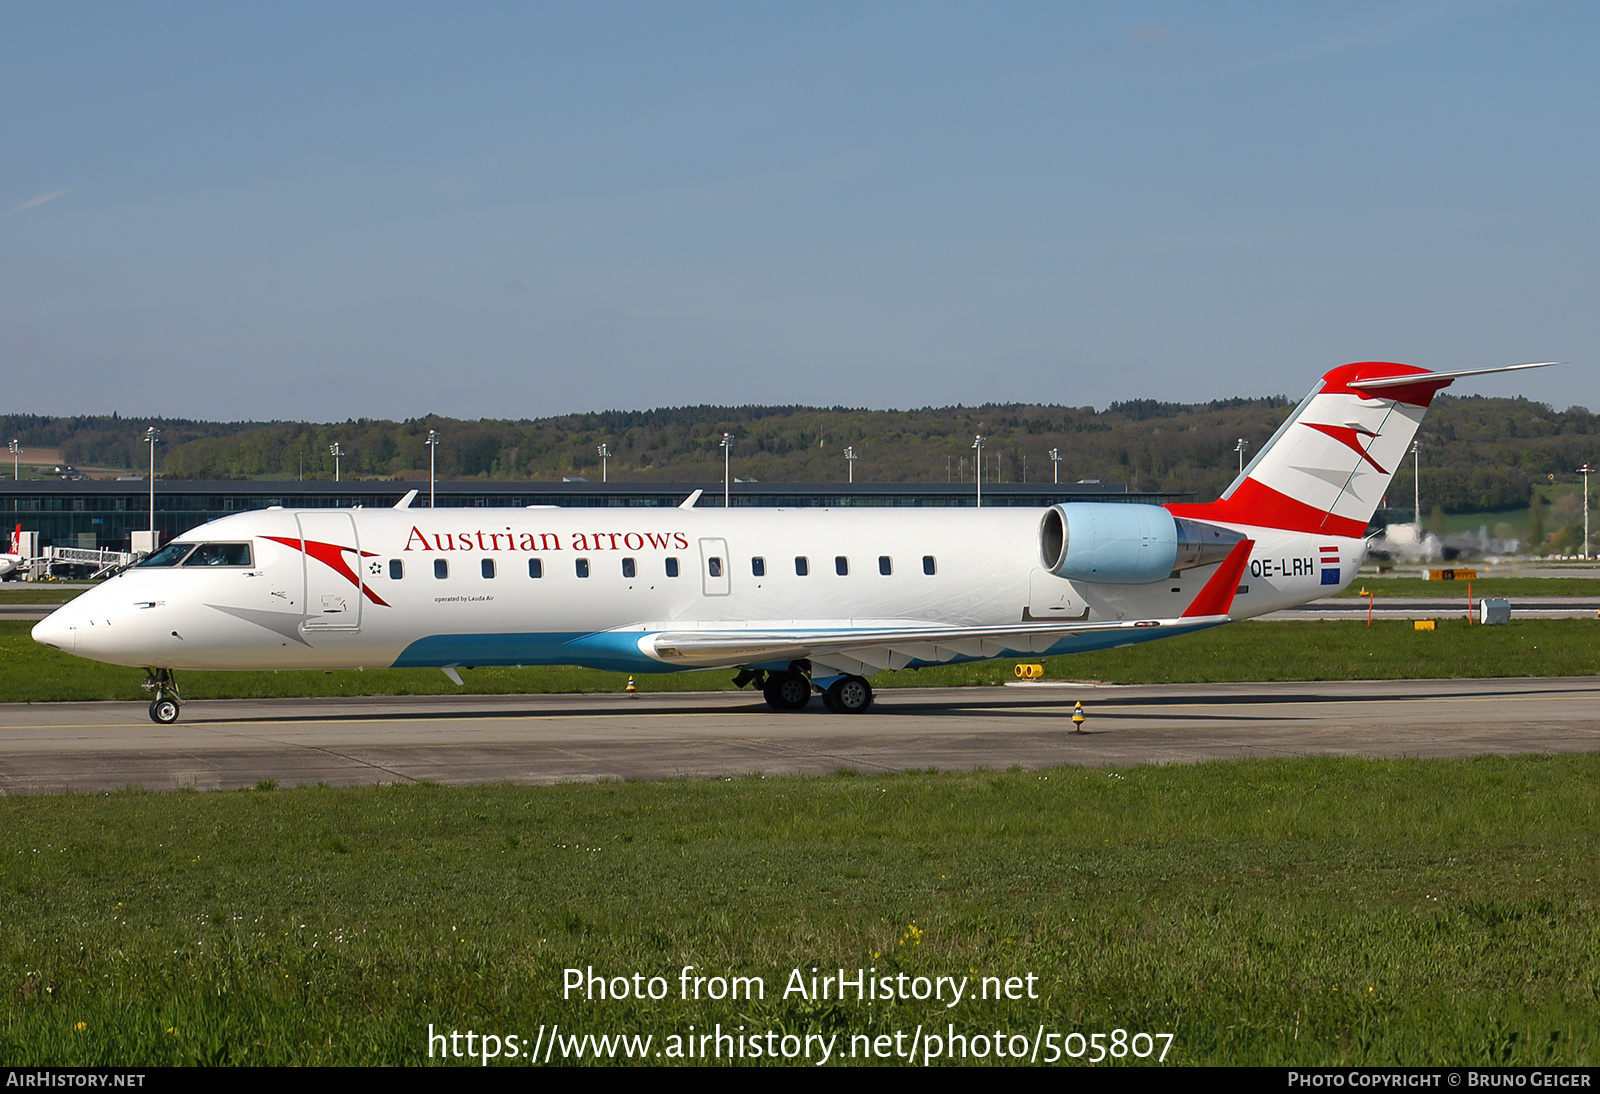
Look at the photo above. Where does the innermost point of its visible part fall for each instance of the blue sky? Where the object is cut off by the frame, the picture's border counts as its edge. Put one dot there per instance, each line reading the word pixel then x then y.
pixel 333 210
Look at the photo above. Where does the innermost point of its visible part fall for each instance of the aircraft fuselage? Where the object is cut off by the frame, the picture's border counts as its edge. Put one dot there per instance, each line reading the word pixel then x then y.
pixel 378 588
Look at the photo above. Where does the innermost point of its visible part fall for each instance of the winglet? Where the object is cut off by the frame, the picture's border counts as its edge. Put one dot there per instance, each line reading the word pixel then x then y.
pixel 405 502
pixel 688 502
pixel 1217 595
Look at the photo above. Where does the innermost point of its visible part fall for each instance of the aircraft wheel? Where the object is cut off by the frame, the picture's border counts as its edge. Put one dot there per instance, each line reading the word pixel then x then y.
pixel 850 695
pixel 163 711
pixel 787 691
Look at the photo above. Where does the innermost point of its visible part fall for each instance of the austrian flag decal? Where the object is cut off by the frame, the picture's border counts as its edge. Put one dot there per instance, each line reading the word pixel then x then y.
pixel 1330 565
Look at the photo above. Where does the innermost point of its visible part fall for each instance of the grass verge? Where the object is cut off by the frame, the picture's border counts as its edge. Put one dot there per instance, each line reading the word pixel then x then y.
pixel 1326 911
pixel 37 593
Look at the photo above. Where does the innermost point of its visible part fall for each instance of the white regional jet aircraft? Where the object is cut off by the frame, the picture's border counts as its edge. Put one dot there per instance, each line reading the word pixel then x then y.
pixel 796 599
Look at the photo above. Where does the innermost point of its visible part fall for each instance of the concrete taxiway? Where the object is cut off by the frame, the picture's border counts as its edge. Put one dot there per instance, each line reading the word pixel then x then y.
pixel 556 738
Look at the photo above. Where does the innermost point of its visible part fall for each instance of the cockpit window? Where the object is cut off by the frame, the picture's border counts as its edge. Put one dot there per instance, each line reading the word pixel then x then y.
pixel 205 554
pixel 170 555
pixel 220 554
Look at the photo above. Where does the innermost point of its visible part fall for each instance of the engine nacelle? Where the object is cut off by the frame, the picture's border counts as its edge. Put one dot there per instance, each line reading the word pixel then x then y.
pixel 1113 544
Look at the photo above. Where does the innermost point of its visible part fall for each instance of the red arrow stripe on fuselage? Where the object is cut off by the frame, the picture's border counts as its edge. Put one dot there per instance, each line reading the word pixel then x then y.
pixel 332 555
pixel 1259 505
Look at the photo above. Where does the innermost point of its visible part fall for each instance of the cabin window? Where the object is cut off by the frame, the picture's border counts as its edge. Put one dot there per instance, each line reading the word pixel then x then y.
pixel 929 567
pixel 758 567
pixel 536 567
pixel 397 569
pixel 885 565
pixel 582 567
pixel 841 565
pixel 441 568
pixel 801 566
pixel 628 568
pixel 486 566
pixel 714 566
pixel 672 567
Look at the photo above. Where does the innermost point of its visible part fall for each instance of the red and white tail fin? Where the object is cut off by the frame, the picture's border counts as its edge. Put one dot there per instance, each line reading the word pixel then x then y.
pixel 1329 465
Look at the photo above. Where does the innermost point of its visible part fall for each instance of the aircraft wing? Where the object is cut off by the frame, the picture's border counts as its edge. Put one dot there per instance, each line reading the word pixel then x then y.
pixel 871 649
pixel 862 651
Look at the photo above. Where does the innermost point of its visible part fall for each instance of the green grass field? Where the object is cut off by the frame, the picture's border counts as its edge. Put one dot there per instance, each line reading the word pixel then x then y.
pixel 1319 911
pixel 35 593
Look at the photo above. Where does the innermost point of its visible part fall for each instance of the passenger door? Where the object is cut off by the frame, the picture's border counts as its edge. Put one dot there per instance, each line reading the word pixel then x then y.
pixel 331 554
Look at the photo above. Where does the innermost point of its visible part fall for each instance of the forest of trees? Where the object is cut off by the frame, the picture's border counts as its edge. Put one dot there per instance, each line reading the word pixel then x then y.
pixel 1477 453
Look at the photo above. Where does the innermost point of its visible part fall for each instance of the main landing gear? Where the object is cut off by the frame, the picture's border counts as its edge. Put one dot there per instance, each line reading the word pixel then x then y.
pixel 786 690
pixel 791 690
pixel 164 707
pixel 848 695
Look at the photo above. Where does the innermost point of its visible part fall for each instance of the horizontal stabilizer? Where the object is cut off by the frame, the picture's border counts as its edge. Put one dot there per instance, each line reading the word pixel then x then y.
pixel 1454 374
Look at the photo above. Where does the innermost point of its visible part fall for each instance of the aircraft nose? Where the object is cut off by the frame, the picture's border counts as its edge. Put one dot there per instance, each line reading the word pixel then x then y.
pixel 57 631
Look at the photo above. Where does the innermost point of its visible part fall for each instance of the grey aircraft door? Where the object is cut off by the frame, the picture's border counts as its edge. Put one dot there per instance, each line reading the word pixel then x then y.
pixel 332 558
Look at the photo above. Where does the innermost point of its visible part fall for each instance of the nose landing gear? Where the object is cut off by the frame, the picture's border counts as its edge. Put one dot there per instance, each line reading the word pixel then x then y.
pixel 164 707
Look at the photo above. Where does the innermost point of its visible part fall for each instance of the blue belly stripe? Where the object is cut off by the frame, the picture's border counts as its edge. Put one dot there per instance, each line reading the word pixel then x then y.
pixel 617 652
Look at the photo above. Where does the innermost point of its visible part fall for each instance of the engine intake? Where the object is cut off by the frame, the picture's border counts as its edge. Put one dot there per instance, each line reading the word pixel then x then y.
pixel 1114 544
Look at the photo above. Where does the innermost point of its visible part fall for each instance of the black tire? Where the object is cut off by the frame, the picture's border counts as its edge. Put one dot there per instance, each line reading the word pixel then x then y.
pixel 787 691
pixel 164 711
pixel 849 695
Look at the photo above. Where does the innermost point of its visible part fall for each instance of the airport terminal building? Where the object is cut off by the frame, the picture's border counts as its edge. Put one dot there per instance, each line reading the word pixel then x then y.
pixel 93 514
